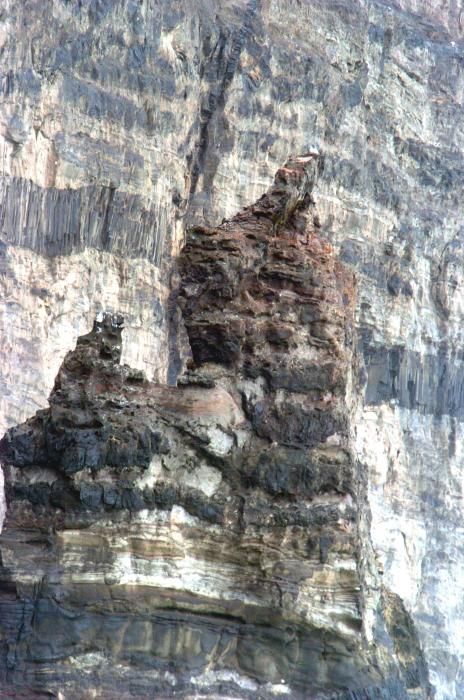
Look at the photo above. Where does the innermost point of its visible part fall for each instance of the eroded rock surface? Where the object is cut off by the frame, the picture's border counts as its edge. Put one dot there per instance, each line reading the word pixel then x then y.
pixel 121 122
pixel 210 538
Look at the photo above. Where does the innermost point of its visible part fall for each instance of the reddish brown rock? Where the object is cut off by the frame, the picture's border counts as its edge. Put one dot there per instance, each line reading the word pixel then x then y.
pixel 164 539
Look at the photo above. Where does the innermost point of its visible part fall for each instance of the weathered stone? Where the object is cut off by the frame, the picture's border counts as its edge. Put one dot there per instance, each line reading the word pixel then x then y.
pixel 229 501
pixel 123 123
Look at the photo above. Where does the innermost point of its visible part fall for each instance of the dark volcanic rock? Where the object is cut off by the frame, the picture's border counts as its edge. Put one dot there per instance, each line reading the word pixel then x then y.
pixel 210 535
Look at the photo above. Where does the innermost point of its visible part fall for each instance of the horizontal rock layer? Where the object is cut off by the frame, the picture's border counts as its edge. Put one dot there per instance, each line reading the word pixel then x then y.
pixel 54 222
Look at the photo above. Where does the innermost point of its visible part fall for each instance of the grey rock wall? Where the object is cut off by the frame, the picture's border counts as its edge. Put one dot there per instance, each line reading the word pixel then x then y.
pixel 122 123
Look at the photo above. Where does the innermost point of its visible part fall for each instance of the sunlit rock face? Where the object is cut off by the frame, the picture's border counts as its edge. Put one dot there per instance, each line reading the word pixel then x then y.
pixel 121 123
pixel 210 538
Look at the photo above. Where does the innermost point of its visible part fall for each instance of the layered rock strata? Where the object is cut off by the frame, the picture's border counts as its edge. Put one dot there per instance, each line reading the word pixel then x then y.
pixel 184 110
pixel 209 539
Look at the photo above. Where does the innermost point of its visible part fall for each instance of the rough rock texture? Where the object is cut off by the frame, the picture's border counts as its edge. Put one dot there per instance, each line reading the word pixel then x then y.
pixel 121 122
pixel 212 537
pixel 48 303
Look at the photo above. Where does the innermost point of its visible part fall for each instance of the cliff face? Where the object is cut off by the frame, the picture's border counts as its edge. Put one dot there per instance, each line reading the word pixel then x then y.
pixel 210 536
pixel 124 123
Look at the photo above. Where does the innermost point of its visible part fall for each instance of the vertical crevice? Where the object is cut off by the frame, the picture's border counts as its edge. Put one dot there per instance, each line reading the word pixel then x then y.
pixel 106 227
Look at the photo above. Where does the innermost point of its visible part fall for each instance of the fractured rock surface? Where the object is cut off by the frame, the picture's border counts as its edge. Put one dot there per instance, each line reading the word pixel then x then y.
pixel 210 538
pixel 121 123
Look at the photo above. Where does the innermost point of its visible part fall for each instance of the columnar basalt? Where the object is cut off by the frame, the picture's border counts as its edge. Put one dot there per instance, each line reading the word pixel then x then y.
pixel 206 538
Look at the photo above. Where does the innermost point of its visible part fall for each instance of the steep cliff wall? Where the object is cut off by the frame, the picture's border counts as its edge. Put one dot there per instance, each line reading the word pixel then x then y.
pixel 123 122
pixel 212 536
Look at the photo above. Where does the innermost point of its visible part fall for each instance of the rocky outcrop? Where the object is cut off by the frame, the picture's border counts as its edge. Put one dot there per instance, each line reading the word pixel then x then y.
pixel 49 302
pixel 211 537
pixel 122 124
